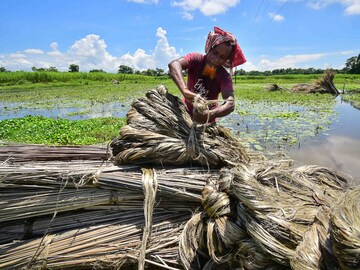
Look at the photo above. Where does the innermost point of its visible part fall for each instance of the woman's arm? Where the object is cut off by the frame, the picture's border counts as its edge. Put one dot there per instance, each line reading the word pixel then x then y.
pixel 175 70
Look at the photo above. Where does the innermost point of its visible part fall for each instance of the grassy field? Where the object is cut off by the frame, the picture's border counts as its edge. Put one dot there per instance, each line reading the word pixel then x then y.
pixel 21 91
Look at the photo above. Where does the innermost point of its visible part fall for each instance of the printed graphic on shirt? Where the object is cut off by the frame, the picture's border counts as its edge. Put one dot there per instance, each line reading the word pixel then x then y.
pixel 200 88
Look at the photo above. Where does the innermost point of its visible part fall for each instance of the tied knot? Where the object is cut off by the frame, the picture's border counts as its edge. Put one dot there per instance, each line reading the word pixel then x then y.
pixel 215 202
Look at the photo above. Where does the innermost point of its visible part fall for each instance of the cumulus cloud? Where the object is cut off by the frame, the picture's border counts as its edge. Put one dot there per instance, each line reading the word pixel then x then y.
pixel 34 51
pixel 276 17
pixel 352 7
pixel 206 7
pixel 89 53
pixel 55 49
pixel 163 53
pixel 288 61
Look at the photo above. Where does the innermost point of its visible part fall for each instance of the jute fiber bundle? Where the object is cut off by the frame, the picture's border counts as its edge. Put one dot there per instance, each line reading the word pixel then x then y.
pixel 67 215
pixel 107 245
pixel 30 152
pixel 323 85
pixel 160 131
pixel 345 225
pixel 258 217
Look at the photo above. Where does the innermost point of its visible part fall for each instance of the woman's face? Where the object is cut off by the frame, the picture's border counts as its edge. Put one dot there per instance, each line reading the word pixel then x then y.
pixel 219 54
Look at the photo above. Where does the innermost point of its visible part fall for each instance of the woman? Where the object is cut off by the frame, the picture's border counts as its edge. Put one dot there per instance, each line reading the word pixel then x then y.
pixel 207 75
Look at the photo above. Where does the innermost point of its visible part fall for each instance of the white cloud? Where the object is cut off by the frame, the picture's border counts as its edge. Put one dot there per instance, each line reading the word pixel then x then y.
pixel 352 7
pixel 163 53
pixel 54 46
pixel 55 49
pixel 91 52
pixel 187 15
pixel 207 7
pixel 347 52
pixel 288 61
pixel 139 61
pixel 276 17
pixel 34 51
pixel 144 1
pixel 16 55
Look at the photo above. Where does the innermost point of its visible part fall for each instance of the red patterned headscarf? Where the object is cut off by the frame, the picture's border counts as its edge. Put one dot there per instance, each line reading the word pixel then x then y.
pixel 219 36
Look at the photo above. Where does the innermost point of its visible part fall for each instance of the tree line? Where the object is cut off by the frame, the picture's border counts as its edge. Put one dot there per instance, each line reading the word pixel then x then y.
pixel 352 66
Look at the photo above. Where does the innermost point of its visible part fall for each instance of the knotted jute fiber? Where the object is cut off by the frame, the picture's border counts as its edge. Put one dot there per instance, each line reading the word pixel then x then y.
pixel 160 131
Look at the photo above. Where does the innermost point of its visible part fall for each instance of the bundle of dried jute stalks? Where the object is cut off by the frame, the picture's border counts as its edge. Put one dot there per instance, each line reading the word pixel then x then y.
pixel 160 131
pixel 73 215
pixel 269 217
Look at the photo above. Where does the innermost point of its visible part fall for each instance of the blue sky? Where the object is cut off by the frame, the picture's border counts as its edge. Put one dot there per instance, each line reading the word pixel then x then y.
pixel 149 33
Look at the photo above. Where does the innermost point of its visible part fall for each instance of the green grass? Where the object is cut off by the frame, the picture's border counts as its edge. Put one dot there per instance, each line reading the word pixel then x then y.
pixel 258 92
pixel 41 130
pixel 78 78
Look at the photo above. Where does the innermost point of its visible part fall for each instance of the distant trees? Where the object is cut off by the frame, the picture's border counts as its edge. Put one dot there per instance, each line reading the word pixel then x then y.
pixel 281 71
pixel 352 65
pixel 97 70
pixel 50 69
pixel 2 69
pixel 159 71
pixel 74 68
pixel 125 70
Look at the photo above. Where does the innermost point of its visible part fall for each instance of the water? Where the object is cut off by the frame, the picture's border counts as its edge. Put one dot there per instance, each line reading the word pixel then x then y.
pixel 339 148
pixel 84 110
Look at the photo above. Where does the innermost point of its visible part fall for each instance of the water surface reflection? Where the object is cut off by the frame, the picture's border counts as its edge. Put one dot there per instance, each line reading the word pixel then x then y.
pixel 339 148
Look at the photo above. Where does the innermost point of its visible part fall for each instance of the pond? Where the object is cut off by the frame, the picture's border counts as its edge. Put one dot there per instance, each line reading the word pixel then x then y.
pixel 83 110
pixel 339 147
pixel 310 135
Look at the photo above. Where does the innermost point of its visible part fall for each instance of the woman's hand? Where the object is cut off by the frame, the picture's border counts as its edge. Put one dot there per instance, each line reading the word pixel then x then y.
pixel 188 95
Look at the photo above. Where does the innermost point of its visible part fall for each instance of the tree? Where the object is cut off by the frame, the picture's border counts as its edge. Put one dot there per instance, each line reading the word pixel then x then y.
pixel 150 72
pixel 74 68
pixel 2 69
pixel 159 71
pixel 352 65
pixel 52 69
pixel 125 69
pixel 97 70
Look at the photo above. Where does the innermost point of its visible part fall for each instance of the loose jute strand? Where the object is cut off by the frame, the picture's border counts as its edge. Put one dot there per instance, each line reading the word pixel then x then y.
pixel 149 186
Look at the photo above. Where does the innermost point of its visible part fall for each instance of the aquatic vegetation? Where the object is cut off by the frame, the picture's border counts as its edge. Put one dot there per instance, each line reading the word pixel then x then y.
pixel 42 130
pixel 278 125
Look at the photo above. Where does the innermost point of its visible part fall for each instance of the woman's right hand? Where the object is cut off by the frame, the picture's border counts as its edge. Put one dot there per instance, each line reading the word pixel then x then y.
pixel 188 95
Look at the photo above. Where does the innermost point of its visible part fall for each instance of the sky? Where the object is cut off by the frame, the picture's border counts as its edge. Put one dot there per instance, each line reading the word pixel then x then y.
pixel 148 34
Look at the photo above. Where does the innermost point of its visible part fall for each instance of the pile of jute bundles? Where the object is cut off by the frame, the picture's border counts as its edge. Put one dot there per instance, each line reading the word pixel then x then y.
pixel 176 195
pixel 86 214
pixel 258 214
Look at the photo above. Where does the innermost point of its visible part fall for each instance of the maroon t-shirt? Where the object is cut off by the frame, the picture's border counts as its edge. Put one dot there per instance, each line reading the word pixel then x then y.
pixel 201 84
